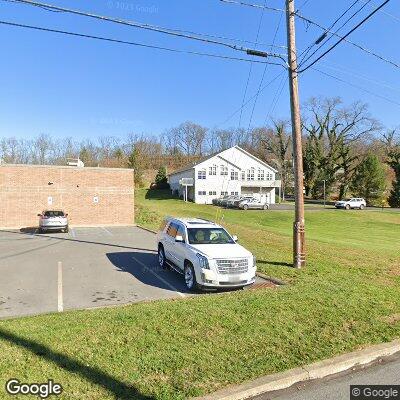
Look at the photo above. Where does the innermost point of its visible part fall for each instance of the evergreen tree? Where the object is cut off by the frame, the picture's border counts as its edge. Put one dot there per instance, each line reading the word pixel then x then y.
pixel 369 180
pixel 161 180
pixel 394 198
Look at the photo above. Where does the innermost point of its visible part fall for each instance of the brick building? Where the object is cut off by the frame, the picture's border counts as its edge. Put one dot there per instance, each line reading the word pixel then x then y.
pixel 90 196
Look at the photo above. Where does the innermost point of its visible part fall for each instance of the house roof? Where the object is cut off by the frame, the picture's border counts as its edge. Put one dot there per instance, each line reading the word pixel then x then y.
pixel 191 166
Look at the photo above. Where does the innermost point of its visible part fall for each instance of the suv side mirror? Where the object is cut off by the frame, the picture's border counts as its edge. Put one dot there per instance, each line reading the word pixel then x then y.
pixel 39 215
pixel 179 239
pixel 235 238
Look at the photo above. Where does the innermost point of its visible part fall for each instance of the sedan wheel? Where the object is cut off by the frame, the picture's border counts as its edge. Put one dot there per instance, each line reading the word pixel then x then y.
pixel 245 207
pixel 347 207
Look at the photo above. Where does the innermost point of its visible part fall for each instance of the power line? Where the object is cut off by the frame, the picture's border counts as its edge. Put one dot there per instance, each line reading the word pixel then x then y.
pixel 251 98
pixel 356 86
pixel 321 38
pixel 263 76
pixel 385 12
pixel 356 74
pixel 251 65
pixel 344 37
pixel 150 27
pixel 309 21
pixel 364 49
pixel 242 3
pixel 38 28
pixel 229 38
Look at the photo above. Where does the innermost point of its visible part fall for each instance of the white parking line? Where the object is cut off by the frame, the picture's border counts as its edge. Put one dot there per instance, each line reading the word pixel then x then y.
pixel 107 231
pixel 159 277
pixel 60 304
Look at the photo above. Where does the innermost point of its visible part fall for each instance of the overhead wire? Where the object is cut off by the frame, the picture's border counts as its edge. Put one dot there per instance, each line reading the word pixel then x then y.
pixel 324 35
pixel 169 49
pixel 344 37
pixel 147 27
pixel 251 65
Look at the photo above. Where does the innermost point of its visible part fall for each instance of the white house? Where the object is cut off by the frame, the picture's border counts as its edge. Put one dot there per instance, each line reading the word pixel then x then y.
pixel 231 172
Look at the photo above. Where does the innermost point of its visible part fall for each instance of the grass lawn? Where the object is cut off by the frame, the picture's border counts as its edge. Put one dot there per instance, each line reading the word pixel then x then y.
pixel 346 298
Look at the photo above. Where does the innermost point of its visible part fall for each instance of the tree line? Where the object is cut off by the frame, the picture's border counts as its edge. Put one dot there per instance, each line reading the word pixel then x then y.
pixel 345 150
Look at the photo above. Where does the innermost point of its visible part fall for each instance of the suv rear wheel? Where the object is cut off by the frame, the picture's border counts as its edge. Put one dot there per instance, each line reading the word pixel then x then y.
pixel 347 207
pixel 190 277
pixel 362 207
pixel 245 207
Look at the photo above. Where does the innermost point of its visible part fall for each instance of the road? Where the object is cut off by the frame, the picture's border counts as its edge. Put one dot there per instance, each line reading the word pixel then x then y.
pixel 337 387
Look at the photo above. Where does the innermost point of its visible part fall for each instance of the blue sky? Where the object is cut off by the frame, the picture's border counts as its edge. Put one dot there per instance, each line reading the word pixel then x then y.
pixel 66 86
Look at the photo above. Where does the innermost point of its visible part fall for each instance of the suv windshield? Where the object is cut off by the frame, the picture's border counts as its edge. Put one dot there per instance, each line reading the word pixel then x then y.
pixel 209 236
pixel 53 214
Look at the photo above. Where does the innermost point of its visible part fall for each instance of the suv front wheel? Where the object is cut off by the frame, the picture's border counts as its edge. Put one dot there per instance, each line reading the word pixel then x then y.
pixel 161 257
pixel 190 277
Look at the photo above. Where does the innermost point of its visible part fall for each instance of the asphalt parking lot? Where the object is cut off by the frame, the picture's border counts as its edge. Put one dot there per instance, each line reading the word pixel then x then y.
pixel 87 267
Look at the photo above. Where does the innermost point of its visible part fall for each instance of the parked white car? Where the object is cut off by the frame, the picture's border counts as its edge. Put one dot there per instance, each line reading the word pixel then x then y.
pixel 205 253
pixel 355 202
pixel 53 220
pixel 253 204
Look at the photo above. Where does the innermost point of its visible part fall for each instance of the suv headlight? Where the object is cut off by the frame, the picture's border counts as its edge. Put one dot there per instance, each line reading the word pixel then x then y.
pixel 203 261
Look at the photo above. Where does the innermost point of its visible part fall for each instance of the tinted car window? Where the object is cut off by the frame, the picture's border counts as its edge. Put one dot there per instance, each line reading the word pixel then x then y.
pixel 172 229
pixel 181 232
pixel 54 214
pixel 209 236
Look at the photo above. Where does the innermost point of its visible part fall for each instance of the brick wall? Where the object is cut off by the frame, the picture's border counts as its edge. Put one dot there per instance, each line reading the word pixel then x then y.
pixel 25 191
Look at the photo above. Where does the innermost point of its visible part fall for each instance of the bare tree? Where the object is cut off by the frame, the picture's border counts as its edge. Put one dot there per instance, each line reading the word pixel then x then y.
pixel 276 143
pixel 187 138
pixel 332 129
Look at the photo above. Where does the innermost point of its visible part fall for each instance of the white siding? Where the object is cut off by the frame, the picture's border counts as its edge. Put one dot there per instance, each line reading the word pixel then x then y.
pixel 259 178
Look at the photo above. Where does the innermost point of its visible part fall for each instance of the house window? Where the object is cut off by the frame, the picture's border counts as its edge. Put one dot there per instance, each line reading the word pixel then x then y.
pixel 260 175
pixel 224 170
pixel 243 175
pixel 212 193
pixel 269 176
pixel 201 174
pixel 250 174
pixel 234 175
pixel 212 170
pixel 202 192
pixel 224 193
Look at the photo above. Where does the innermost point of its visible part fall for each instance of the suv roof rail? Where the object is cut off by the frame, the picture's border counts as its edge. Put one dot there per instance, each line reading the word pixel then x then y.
pixel 207 220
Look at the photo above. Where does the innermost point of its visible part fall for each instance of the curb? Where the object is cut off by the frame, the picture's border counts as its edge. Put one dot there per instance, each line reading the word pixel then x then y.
pixel 271 278
pixel 146 229
pixel 318 370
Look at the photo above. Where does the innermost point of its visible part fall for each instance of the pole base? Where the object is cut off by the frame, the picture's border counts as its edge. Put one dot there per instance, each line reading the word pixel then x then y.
pixel 299 252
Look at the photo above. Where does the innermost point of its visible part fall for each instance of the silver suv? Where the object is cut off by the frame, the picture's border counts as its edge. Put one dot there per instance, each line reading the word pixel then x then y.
pixel 53 220
pixel 205 253
pixel 355 202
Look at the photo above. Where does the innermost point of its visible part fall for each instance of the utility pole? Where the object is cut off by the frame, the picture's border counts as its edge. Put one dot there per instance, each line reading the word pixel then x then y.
pixel 299 254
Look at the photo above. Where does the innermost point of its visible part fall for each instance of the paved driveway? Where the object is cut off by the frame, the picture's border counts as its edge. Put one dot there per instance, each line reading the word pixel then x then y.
pixel 86 267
